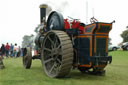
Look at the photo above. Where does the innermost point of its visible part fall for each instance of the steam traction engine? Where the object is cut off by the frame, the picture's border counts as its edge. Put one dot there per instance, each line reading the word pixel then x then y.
pixel 64 44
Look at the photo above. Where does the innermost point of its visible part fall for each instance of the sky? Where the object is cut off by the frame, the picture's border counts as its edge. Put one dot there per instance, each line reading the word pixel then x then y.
pixel 20 17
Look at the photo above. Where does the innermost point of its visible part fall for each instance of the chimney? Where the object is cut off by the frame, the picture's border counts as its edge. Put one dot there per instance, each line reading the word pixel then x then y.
pixel 43 12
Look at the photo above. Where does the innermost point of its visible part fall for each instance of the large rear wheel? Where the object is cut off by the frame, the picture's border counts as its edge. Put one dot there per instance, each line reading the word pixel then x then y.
pixel 57 54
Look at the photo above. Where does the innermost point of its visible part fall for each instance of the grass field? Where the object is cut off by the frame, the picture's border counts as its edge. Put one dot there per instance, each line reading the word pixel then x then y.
pixel 15 74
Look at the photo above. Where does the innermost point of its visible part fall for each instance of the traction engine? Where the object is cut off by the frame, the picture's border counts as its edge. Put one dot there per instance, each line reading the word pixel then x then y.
pixel 65 44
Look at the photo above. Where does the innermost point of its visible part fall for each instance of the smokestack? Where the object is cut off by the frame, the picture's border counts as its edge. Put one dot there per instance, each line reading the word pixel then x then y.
pixel 43 12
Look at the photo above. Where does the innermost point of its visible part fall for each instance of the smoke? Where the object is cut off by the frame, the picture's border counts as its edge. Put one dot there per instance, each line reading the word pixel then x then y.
pixel 48 10
pixel 60 6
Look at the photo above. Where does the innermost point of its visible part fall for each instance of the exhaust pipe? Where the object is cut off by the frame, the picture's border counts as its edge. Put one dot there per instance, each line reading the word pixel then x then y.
pixel 43 12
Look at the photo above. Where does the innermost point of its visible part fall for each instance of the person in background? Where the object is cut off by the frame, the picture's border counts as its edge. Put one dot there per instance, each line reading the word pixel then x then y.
pixel 7 47
pixel 11 50
pixel 2 50
pixel 15 50
pixel 21 52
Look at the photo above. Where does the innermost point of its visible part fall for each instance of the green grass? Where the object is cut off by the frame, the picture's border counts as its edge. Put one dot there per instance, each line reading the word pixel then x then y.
pixel 15 74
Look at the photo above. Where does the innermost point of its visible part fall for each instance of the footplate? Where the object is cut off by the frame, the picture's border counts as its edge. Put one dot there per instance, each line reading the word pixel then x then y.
pixel 100 59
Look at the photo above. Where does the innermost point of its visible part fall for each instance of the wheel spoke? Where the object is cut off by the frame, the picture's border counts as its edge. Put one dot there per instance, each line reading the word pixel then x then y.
pixel 48 60
pixel 47 49
pixel 58 46
pixel 58 61
pixel 55 41
pixel 52 68
pixel 50 55
pixel 50 40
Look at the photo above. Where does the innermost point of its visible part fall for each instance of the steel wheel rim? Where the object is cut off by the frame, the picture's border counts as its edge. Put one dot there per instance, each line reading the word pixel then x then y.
pixel 27 58
pixel 24 57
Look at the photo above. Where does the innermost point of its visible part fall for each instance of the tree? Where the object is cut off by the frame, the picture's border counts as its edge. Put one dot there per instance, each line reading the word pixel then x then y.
pixel 28 41
pixel 127 27
pixel 124 35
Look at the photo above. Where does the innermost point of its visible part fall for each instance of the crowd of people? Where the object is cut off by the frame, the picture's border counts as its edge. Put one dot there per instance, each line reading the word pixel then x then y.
pixel 10 50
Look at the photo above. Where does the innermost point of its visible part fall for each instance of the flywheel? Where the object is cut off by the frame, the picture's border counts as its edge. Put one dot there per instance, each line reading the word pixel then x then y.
pixel 55 21
pixel 57 54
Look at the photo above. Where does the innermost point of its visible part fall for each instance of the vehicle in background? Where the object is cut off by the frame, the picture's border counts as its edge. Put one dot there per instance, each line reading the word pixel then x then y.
pixel 112 47
pixel 125 46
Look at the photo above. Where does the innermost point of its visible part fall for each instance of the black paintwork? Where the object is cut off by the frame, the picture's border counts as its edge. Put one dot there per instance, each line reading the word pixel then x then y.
pixel 104 29
pixel 99 60
pixel 82 45
pixel 89 29
pixel 101 47
pixel 55 21
pixel 42 14
pixel 72 32
pixel 36 57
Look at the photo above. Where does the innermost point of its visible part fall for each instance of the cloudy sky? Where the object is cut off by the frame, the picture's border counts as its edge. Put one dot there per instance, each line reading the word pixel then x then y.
pixel 20 17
